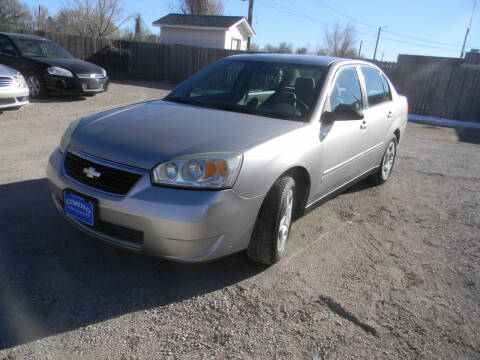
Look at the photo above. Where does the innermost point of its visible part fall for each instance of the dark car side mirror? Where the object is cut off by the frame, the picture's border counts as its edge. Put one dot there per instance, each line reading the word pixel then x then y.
pixel 342 112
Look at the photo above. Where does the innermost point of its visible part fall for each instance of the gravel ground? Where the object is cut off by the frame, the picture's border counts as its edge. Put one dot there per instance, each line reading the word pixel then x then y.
pixel 377 272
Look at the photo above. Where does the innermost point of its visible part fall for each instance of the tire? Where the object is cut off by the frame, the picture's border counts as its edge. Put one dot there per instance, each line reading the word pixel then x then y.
pixel 386 165
pixel 36 86
pixel 272 228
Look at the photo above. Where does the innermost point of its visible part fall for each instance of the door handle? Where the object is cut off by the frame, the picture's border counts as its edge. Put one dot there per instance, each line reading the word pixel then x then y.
pixel 389 115
pixel 363 125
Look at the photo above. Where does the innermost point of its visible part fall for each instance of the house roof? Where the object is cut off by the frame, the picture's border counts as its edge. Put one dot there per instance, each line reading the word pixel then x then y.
pixel 199 21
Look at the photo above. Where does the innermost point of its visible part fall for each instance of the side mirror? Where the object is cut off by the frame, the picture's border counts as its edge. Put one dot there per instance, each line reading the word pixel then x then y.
pixel 342 112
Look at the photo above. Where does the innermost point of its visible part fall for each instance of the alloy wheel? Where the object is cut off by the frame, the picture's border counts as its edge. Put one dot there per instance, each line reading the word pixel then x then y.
pixel 34 85
pixel 388 160
pixel 284 226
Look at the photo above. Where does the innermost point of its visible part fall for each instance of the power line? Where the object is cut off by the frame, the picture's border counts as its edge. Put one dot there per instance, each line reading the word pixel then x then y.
pixel 423 40
pixel 346 15
pixel 317 20
pixel 417 44
pixel 388 31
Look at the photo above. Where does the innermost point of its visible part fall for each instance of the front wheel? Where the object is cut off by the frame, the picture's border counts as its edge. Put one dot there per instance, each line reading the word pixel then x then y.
pixel 272 228
pixel 386 166
pixel 36 86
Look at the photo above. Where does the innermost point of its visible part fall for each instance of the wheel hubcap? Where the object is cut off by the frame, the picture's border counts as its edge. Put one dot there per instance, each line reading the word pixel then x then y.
pixel 388 159
pixel 284 227
pixel 34 85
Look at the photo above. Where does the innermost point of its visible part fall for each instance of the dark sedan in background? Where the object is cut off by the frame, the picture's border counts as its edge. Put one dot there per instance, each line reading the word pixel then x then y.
pixel 47 66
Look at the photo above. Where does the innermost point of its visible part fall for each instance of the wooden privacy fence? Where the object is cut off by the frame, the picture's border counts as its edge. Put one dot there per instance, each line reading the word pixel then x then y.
pixel 144 60
pixel 445 88
pixel 448 89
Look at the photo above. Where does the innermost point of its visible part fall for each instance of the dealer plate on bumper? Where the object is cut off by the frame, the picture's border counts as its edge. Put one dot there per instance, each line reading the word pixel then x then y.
pixel 79 208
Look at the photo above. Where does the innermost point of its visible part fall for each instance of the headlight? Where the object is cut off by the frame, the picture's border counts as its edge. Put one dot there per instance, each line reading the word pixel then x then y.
pixel 65 141
pixel 206 171
pixel 58 71
pixel 20 80
pixel 104 72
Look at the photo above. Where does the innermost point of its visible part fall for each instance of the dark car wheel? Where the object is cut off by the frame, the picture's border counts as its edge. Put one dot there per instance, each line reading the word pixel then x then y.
pixel 386 166
pixel 36 86
pixel 272 228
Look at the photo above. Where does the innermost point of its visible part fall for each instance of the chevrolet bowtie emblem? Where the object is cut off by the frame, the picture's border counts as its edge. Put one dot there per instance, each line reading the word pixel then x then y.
pixel 91 173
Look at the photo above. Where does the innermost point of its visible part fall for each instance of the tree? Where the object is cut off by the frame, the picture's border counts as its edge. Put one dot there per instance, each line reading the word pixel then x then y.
pixel 139 32
pixel 15 15
pixel 198 7
pixel 254 47
pixel 340 41
pixel 282 48
pixel 41 17
pixel 302 50
pixel 98 18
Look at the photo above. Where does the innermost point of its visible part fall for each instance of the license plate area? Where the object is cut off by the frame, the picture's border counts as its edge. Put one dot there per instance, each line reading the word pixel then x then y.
pixel 80 207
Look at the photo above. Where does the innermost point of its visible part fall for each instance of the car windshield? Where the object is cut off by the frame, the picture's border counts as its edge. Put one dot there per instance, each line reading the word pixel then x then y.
pixel 40 48
pixel 279 90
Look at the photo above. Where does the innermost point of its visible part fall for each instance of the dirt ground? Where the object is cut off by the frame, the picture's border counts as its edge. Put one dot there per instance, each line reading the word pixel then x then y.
pixel 390 272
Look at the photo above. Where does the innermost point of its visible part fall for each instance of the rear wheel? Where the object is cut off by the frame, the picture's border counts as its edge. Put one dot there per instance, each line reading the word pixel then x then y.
pixel 272 228
pixel 386 166
pixel 36 86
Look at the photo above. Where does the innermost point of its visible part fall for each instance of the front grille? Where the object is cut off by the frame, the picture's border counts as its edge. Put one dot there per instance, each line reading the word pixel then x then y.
pixel 7 101
pixel 112 180
pixel 90 76
pixel 5 81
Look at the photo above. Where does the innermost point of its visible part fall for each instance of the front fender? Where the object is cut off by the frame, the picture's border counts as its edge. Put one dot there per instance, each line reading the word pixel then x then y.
pixel 265 163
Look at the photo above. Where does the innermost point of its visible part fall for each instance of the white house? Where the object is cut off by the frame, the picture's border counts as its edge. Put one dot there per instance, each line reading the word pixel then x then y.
pixel 210 31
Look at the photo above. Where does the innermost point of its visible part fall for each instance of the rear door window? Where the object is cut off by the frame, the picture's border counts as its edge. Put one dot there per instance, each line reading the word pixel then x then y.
pixel 374 86
pixel 386 88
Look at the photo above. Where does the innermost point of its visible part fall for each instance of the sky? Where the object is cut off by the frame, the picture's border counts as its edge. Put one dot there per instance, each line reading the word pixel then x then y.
pixel 420 27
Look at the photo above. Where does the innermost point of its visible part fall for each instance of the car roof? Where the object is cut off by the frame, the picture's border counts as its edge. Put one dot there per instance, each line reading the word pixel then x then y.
pixel 22 36
pixel 314 60
pixel 289 59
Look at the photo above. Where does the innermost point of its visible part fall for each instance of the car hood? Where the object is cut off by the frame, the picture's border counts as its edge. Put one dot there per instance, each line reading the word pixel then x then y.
pixel 145 134
pixel 7 71
pixel 74 65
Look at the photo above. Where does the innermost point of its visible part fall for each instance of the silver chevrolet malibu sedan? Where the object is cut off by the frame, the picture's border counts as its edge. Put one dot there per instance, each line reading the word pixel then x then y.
pixel 230 157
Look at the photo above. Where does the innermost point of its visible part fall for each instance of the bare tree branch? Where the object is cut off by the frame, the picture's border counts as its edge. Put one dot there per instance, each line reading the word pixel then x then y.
pixel 92 17
pixel 198 7
pixel 339 41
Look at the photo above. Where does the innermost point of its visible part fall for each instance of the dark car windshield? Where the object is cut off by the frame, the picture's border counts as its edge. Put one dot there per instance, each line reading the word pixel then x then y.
pixel 40 48
pixel 280 90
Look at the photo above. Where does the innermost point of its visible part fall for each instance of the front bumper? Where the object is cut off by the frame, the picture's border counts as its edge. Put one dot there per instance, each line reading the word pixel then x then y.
pixel 75 85
pixel 13 97
pixel 179 224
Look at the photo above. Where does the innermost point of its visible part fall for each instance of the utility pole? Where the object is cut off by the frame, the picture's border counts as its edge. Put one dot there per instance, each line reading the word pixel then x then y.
pixel 376 45
pixel 250 20
pixel 378 38
pixel 468 29
pixel 360 50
